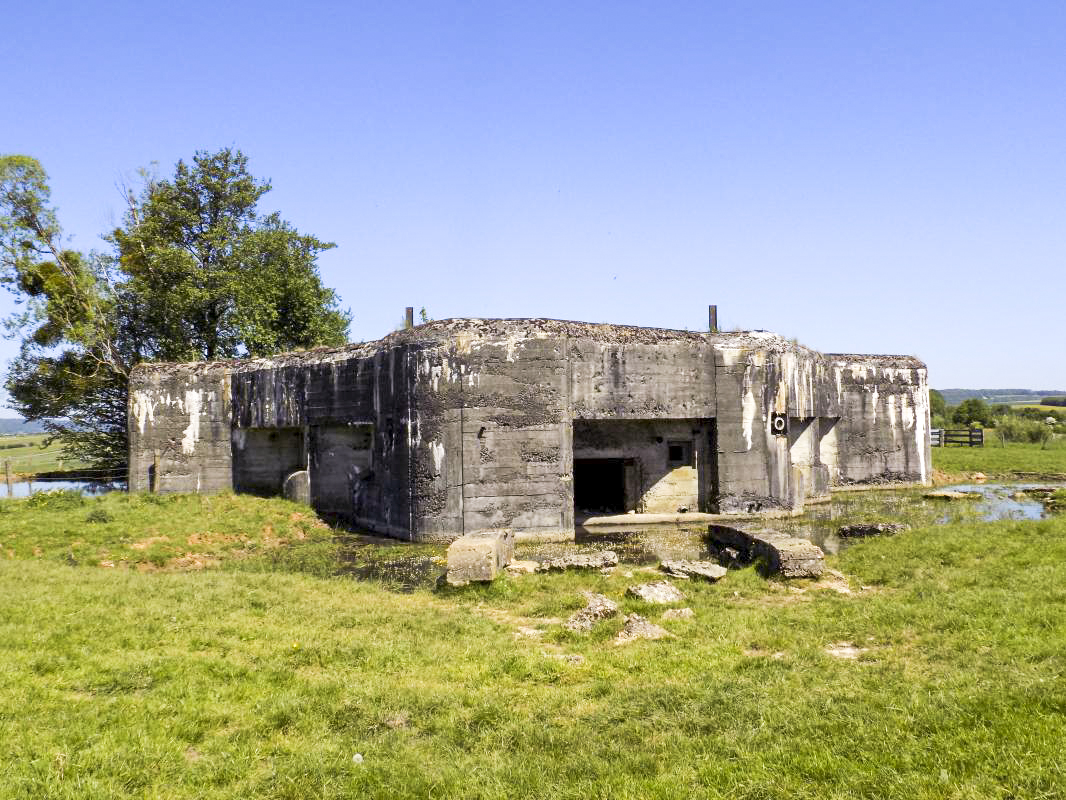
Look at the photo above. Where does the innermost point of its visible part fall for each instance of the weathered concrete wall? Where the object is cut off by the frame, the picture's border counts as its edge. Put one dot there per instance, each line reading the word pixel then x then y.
pixel 466 425
pixel 883 432
pixel 180 415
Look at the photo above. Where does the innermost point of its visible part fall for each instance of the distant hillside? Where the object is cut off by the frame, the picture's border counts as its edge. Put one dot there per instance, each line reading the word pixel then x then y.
pixel 9 426
pixel 955 396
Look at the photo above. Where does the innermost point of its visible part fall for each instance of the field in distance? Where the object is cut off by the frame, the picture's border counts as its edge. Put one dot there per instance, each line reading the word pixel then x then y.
pixel 31 454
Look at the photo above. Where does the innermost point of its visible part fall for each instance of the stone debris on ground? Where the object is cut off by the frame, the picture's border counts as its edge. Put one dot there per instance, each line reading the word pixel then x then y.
pixel 521 567
pixel 597 608
pixel 707 570
pixel 872 529
pixel 678 613
pixel 637 627
pixel 604 559
pixel 951 494
pixel 661 592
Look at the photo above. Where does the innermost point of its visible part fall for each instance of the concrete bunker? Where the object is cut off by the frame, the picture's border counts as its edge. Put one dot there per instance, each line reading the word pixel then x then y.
pixel 530 424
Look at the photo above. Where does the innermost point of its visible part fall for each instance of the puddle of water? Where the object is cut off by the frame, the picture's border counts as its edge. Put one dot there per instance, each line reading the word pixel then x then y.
pixel 385 561
pixel 26 488
pixel 998 502
pixel 636 547
pixel 403 575
pixel 398 565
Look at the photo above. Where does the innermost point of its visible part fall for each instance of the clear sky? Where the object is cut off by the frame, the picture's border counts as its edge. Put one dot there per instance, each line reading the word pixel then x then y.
pixel 885 177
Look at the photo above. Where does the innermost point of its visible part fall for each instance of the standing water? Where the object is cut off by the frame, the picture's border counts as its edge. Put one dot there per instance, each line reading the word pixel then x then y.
pixel 26 488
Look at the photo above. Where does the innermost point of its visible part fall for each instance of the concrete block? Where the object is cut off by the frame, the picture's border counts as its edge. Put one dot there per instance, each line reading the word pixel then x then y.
pixel 784 555
pixel 297 487
pixel 479 556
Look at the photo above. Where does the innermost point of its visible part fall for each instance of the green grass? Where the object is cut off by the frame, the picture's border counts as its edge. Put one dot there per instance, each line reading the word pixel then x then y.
pixel 30 454
pixel 263 678
pixel 996 460
pixel 146 531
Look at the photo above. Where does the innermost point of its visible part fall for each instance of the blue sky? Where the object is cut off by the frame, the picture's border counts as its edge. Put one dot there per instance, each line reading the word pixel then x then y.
pixel 863 177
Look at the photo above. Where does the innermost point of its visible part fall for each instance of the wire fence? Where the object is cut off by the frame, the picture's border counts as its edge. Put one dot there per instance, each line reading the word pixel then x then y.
pixel 57 470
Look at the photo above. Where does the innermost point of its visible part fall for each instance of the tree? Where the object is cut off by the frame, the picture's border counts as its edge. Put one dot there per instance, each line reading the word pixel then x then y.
pixel 196 273
pixel 973 412
pixel 937 408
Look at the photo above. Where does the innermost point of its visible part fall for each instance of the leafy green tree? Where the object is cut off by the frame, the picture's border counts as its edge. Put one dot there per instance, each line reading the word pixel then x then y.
pixel 936 403
pixel 974 412
pixel 196 273
pixel 938 410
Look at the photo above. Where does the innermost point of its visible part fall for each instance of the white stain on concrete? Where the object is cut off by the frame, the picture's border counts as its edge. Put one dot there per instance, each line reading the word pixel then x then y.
pixel 191 435
pixel 921 429
pixel 143 409
pixel 748 408
pixel 906 412
pixel 437 449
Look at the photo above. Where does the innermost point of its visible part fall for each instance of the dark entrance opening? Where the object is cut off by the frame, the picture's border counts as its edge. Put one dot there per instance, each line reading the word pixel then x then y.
pixel 599 485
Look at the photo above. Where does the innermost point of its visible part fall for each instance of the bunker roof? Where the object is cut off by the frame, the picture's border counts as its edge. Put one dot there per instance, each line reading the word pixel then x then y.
pixel 442 331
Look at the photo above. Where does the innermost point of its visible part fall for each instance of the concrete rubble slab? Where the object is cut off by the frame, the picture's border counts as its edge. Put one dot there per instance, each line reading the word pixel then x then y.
pixel 479 556
pixel 707 570
pixel 784 555
pixel 605 559
pixel 638 627
pixel 872 529
pixel 598 608
pixel 661 592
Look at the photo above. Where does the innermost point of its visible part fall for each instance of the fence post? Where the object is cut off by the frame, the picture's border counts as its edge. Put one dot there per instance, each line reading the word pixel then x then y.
pixel 7 478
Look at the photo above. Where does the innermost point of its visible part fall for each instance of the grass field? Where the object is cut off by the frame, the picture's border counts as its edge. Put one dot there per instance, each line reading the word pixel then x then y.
pixel 29 454
pixel 264 675
pixel 996 460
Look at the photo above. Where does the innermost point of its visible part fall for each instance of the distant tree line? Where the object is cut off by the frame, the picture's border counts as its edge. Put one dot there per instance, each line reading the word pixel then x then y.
pixel 1010 423
pixel 1053 401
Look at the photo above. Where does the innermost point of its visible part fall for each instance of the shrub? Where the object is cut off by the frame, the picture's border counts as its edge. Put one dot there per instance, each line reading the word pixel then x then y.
pixel 56 499
pixel 1019 429
pixel 100 515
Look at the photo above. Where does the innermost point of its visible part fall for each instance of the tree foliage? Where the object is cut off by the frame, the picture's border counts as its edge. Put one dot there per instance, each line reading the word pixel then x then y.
pixel 974 412
pixel 195 273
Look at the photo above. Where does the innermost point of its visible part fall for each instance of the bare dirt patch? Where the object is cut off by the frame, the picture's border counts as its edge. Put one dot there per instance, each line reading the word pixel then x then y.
pixel 845 650
pixel 192 561
pixel 144 544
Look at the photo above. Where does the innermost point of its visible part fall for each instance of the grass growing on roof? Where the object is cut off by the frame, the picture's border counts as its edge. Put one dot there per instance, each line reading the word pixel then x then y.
pixel 226 683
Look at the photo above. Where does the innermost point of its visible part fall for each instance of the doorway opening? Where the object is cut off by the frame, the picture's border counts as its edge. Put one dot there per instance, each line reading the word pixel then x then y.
pixel 599 485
